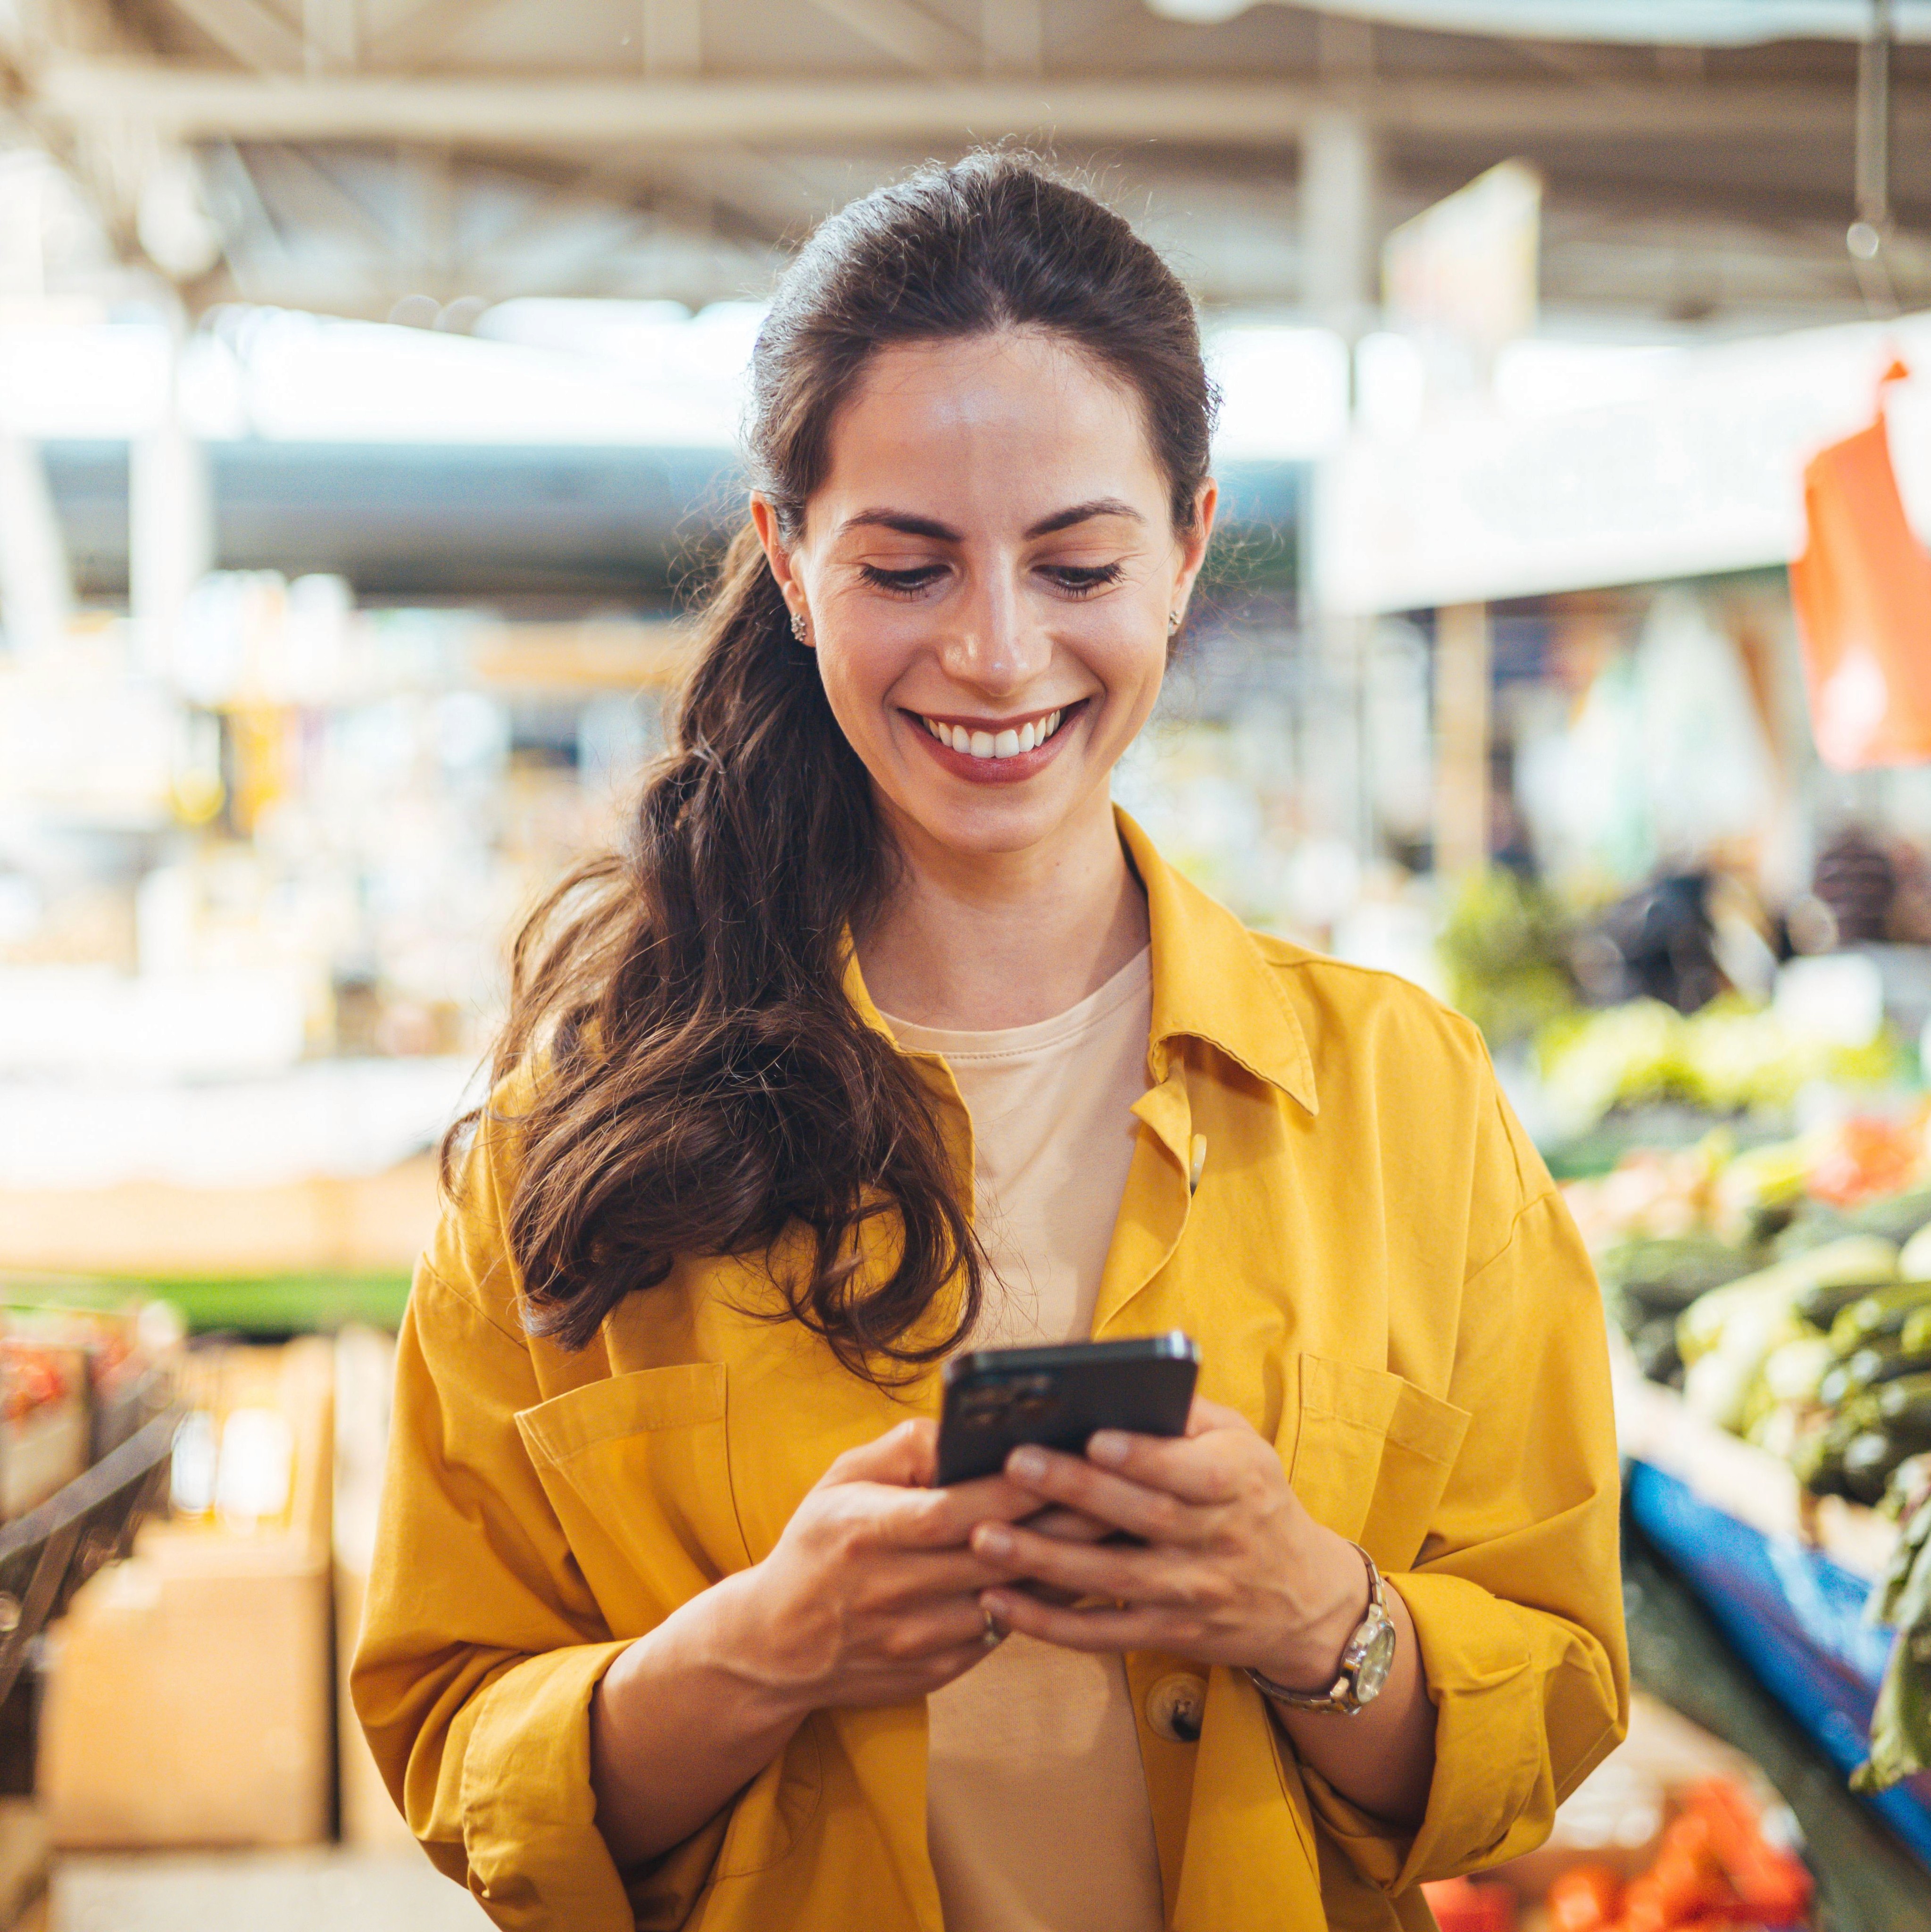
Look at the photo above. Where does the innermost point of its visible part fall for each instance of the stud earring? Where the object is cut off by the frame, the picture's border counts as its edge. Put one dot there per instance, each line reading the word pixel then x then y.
pixel 1172 621
pixel 799 629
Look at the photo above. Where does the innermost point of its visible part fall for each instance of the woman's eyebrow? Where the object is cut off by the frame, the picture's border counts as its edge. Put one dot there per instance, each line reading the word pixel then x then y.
pixel 1081 513
pixel 904 522
pixel 907 524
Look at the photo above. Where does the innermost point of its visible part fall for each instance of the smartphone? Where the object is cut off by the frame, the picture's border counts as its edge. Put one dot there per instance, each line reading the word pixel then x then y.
pixel 996 1398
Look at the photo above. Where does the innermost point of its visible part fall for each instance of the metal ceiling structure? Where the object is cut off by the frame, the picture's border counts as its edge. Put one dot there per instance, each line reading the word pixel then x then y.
pixel 349 155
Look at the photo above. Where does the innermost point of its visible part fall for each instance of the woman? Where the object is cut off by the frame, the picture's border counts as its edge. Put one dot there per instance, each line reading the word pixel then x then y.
pixel 888 1035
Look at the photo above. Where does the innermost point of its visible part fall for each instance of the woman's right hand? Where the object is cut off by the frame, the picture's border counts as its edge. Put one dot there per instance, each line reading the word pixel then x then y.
pixel 869 1596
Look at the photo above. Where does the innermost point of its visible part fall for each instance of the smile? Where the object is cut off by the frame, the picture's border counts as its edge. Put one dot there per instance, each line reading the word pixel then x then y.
pixel 1004 743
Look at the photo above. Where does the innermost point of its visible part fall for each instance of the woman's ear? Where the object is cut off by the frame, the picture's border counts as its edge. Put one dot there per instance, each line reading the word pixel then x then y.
pixel 1194 542
pixel 764 520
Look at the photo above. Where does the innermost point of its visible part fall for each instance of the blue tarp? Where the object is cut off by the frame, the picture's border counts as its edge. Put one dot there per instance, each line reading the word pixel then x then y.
pixel 1795 1618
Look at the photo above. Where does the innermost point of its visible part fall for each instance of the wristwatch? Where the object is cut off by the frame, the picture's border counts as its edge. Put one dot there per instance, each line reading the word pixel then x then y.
pixel 1366 1660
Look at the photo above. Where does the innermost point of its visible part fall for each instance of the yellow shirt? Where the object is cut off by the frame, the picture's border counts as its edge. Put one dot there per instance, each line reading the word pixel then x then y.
pixel 1381 1279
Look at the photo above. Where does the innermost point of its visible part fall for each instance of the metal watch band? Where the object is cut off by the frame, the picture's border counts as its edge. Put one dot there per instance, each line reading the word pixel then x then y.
pixel 1347 1693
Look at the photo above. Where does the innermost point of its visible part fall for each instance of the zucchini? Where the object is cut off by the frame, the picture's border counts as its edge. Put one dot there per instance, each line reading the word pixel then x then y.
pixel 1903 1407
pixel 1896 1217
pixel 1882 1313
pixel 1664 1275
pixel 1821 1306
pixel 1880 1361
pixel 1868 1458
pixel 1818 1458
pixel 1654 1345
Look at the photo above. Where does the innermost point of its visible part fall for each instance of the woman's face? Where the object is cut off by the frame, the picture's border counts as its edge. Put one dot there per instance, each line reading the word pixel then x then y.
pixel 987 573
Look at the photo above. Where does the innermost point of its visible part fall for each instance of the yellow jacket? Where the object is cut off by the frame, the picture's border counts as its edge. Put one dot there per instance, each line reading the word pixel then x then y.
pixel 1381 1277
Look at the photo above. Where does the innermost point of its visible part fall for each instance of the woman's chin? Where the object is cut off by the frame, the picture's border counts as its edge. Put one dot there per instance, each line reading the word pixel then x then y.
pixel 992 822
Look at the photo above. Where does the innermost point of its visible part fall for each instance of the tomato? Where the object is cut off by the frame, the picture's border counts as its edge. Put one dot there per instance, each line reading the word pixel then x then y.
pixel 1585 1898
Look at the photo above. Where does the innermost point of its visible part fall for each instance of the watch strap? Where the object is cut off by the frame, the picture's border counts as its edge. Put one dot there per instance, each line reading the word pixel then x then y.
pixel 1343 1697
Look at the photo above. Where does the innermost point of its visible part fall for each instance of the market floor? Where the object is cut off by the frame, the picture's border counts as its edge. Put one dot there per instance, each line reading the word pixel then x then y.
pixel 318 1891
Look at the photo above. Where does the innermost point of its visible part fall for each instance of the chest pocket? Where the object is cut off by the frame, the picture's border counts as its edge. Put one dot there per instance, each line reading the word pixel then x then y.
pixel 636 1469
pixel 1372 1455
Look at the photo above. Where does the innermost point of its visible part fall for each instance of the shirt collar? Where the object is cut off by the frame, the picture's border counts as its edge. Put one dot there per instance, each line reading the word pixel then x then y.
pixel 1211 982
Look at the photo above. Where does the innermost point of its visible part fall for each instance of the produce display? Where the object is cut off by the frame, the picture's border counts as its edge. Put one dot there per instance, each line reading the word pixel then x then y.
pixel 1673 1830
pixel 1716 1868
pixel 1734 1056
pixel 43 1422
pixel 75 1383
pixel 1786 1291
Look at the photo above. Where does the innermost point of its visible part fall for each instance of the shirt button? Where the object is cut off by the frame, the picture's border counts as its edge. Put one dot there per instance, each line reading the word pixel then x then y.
pixel 1175 1706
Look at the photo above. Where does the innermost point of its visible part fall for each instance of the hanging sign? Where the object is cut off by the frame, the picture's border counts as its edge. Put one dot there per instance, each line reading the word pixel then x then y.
pixel 1862 591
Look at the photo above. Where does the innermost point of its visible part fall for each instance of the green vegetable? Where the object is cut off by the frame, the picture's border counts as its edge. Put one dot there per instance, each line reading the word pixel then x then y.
pixel 1879 1314
pixel 1897 1217
pixel 1915 1335
pixel 1664 1275
pixel 1904 1406
pixel 1821 1306
pixel 1869 1458
pixel 1762 1304
pixel 1880 1361
pixel 1654 1346
pixel 1819 1457
pixel 1901 1723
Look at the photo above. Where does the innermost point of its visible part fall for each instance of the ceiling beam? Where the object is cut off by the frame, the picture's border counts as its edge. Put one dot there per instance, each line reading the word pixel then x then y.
pixel 1013 36
pixel 256 36
pixel 204 105
pixel 674 37
pixel 907 33
pixel 425 34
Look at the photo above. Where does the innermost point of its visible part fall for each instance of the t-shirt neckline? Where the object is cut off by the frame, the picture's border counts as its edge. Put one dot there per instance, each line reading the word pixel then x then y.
pixel 1132 981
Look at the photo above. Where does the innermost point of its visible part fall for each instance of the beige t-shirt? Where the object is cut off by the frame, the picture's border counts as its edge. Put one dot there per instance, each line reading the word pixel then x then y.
pixel 1036 1811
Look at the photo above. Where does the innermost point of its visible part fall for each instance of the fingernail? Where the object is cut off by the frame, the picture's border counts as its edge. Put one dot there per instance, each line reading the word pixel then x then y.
pixel 995 1540
pixel 1108 1446
pixel 1028 1465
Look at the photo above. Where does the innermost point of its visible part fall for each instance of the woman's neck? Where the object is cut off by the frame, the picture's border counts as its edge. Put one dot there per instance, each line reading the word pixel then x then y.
pixel 980 941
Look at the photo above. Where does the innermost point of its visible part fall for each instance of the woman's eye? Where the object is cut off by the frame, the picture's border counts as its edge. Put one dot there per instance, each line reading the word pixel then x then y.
pixel 1081 579
pixel 902 582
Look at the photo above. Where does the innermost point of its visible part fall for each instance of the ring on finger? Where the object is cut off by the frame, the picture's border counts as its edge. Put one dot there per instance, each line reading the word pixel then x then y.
pixel 994 1636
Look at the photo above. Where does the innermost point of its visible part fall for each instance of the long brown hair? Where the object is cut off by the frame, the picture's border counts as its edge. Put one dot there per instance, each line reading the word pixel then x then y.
pixel 702 1084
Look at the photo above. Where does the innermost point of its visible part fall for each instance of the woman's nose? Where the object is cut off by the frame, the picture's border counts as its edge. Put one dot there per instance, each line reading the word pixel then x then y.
pixel 993 642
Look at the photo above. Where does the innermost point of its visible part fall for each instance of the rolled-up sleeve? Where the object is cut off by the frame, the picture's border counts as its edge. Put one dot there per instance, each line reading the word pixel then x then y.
pixel 1516 1595
pixel 480 1646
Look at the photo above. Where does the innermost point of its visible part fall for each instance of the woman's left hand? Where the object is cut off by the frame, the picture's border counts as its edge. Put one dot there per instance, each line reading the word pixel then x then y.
pixel 1229 1568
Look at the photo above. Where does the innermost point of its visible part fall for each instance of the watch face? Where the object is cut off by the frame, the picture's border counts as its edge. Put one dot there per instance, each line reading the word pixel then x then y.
pixel 1377 1658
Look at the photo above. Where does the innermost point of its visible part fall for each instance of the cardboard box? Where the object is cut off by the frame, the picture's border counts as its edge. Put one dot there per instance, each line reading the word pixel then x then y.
pixel 190 1691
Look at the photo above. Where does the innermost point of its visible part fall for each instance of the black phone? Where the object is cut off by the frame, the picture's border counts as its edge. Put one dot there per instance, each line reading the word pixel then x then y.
pixel 996 1398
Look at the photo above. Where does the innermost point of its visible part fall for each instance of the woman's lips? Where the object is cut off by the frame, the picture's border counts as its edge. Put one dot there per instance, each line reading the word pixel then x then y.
pixel 988 765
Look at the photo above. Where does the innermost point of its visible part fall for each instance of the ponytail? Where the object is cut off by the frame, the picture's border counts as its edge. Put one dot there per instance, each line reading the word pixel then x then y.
pixel 705 1083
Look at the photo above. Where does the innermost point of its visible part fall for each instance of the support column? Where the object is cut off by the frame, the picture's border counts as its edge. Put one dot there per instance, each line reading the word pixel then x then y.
pixel 1340 231
pixel 1463 646
pixel 170 532
pixel 36 587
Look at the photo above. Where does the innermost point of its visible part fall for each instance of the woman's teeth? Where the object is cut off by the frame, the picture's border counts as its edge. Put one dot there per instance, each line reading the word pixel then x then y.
pixel 995 745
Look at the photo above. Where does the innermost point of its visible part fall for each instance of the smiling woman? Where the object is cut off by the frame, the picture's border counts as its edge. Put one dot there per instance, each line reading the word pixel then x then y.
pixel 887 1035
